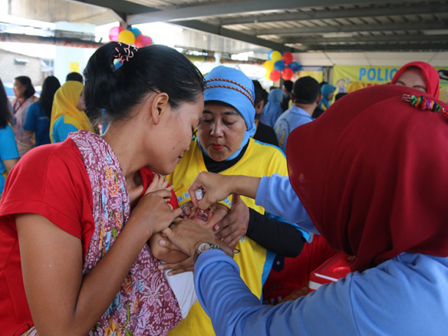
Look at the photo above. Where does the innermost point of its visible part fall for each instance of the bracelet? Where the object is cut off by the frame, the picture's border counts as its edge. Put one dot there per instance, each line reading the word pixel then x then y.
pixel 205 247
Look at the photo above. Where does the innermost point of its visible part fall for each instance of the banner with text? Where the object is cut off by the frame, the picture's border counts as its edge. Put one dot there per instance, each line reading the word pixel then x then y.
pixel 349 78
pixel 317 72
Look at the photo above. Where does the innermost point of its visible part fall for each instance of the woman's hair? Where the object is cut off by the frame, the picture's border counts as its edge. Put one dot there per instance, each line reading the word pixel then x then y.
pixel 155 68
pixel 26 81
pixel 49 88
pixel 288 85
pixel 74 76
pixel 5 113
pixel 259 92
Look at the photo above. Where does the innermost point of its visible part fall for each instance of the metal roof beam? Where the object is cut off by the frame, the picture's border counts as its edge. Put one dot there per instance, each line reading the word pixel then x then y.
pixel 215 8
pixel 132 8
pixel 233 34
pixel 355 28
pixel 382 47
pixel 338 14
pixel 120 6
pixel 382 38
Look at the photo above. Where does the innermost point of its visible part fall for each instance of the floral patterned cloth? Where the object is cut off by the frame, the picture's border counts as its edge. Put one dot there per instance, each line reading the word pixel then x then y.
pixel 145 305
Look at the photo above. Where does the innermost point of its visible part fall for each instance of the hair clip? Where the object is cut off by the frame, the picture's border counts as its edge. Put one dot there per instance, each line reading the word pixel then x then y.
pixel 127 51
pixel 425 104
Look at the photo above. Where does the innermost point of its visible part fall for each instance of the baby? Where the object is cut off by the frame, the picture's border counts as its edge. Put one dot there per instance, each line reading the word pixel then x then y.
pixel 199 216
pixel 182 284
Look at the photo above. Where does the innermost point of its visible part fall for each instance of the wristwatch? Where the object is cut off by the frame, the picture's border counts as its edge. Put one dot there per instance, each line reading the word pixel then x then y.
pixel 205 247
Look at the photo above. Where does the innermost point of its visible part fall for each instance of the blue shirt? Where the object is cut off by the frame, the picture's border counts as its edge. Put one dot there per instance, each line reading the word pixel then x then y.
pixel 61 130
pixel 8 151
pixel 288 121
pixel 405 296
pixel 37 121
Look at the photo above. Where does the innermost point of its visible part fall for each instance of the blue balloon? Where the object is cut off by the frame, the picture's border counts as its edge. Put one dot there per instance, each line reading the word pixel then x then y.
pixel 135 31
pixel 294 66
pixel 279 65
pixel 269 54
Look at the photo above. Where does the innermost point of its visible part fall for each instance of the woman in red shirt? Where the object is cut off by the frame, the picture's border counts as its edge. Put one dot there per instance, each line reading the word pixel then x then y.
pixel 73 258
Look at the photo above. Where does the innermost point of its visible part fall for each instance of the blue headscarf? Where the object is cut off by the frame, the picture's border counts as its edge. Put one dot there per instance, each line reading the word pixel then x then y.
pixel 273 109
pixel 232 87
pixel 326 90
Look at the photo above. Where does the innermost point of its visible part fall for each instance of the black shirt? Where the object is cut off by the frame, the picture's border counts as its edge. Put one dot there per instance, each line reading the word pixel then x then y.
pixel 266 134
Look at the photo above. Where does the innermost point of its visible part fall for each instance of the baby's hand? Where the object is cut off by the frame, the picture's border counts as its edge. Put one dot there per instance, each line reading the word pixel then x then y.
pixel 158 183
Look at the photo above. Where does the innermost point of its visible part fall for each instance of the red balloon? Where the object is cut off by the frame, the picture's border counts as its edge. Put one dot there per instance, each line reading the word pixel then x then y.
pixel 275 75
pixel 142 41
pixel 114 32
pixel 287 58
pixel 287 73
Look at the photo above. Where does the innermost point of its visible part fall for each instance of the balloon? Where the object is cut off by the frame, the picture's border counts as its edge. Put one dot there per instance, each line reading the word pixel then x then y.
pixel 127 37
pixel 287 58
pixel 275 56
pixel 135 31
pixel 274 75
pixel 268 65
pixel 279 65
pixel 294 66
pixel 287 73
pixel 143 41
pixel 267 75
pixel 114 32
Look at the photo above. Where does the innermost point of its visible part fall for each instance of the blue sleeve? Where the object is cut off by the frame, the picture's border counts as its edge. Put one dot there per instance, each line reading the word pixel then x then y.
pixel 234 310
pixel 61 130
pixel 31 117
pixel 8 147
pixel 276 195
pixel 398 297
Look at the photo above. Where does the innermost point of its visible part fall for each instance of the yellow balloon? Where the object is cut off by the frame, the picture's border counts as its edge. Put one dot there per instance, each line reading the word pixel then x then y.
pixel 276 56
pixel 268 65
pixel 126 36
pixel 267 74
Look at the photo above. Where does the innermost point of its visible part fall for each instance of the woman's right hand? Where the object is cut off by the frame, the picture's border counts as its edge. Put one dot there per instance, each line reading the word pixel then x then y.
pixel 215 188
pixel 187 236
pixel 152 214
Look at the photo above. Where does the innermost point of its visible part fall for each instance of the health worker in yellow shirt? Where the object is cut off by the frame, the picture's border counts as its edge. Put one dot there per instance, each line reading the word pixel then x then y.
pixel 225 145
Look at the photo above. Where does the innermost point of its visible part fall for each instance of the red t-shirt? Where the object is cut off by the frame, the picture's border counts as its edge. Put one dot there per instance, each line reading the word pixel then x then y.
pixel 50 181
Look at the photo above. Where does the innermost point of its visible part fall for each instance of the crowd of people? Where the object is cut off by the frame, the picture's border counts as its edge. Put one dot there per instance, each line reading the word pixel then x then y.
pixel 154 200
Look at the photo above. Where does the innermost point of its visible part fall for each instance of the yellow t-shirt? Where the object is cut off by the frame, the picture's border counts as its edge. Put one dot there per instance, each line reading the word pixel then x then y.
pixel 254 261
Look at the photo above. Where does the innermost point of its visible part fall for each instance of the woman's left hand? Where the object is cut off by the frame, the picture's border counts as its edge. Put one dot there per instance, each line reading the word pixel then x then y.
pixel 234 226
pixel 187 236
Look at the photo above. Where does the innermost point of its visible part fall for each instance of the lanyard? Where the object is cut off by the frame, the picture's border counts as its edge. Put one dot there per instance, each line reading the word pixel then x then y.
pixel 20 105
